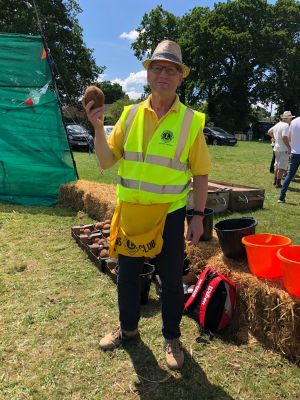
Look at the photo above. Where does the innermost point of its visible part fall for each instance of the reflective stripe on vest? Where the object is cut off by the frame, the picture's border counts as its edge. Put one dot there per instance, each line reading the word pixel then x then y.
pixel 133 156
pixel 156 160
pixel 152 187
pixel 129 120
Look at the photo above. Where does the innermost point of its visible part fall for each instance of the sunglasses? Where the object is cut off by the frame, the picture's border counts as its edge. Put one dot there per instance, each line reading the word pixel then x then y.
pixel 158 69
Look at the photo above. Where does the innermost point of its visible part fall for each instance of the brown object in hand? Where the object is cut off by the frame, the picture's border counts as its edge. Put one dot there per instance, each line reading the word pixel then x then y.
pixel 95 94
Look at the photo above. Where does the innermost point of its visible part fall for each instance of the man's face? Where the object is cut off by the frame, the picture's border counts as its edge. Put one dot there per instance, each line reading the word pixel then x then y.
pixel 164 77
pixel 287 120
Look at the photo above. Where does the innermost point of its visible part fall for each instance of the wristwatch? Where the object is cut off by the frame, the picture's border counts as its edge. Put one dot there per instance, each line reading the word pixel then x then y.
pixel 198 213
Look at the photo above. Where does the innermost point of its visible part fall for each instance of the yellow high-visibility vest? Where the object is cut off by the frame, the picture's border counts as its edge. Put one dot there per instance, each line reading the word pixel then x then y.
pixel 163 174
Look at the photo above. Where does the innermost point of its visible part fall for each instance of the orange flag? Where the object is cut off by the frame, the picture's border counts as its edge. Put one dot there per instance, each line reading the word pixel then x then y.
pixel 44 54
pixel 28 102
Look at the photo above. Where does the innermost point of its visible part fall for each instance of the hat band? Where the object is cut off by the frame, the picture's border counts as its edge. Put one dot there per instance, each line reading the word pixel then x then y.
pixel 168 56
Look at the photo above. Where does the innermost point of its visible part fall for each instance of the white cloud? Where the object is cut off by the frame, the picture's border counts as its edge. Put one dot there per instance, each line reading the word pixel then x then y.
pixel 132 35
pixel 134 95
pixel 134 84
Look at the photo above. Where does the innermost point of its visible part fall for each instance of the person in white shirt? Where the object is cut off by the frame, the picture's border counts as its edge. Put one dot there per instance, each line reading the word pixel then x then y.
pixel 279 133
pixel 294 150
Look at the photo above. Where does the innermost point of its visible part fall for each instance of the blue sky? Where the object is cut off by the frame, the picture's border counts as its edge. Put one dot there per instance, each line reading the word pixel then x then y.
pixel 109 28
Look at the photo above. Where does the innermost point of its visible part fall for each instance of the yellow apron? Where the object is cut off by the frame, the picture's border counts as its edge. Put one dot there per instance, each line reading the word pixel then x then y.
pixel 136 229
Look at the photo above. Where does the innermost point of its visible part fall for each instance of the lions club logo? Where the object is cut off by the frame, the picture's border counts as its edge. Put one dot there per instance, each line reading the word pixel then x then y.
pixel 167 137
pixel 130 246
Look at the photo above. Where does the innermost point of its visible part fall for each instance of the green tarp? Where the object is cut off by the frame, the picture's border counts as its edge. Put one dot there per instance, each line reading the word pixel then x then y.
pixel 35 157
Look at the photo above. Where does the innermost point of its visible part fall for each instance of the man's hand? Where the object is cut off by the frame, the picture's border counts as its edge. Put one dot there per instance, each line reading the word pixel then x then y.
pixel 195 229
pixel 95 115
pixel 286 141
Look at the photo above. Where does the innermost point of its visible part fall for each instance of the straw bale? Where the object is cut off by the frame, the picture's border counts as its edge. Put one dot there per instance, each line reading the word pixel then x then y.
pixel 97 207
pixel 271 314
pixel 71 195
pixel 96 199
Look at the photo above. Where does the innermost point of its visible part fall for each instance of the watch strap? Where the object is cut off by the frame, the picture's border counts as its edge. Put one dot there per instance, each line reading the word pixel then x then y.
pixel 198 213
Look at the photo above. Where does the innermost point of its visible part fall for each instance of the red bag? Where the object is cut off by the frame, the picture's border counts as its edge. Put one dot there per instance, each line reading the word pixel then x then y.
pixel 213 301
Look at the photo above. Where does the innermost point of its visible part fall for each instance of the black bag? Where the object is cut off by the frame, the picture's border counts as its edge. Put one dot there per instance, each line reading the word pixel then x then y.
pixel 213 301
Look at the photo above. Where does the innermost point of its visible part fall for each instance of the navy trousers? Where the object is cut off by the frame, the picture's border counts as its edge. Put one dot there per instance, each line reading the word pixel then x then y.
pixel 293 167
pixel 169 264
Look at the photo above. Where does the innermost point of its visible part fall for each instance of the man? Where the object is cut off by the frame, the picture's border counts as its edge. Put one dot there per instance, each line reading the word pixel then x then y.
pixel 279 133
pixel 293 145
pixel 160 144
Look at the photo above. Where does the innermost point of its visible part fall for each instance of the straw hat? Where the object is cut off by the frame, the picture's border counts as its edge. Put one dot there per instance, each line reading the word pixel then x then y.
pixel 287 114
pixel 167 50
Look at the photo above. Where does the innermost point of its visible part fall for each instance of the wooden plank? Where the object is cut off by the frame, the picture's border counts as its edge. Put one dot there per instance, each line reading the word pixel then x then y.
pixel 242 197
pixel 216 200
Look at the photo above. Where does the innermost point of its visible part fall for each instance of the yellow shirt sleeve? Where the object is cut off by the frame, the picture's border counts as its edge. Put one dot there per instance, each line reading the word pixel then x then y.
pixel 199 159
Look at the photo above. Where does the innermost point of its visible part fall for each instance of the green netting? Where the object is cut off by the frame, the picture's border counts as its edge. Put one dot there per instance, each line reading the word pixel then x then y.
pixel 35 157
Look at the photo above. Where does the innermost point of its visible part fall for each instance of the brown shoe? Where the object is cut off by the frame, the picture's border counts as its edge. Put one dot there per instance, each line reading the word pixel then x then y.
pixel 174 354
pixel 116 337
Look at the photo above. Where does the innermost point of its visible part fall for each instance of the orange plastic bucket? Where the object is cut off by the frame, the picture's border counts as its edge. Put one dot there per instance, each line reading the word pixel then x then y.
pixel 261 249
pixel 289 258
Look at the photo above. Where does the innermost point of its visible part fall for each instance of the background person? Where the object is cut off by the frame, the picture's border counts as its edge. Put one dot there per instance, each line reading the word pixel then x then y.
pixel 279 133
pixel 271 169
pixel 294 150
pixel 160 144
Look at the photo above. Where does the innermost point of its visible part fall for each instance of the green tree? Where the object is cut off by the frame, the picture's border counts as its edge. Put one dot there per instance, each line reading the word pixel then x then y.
pixel 282 83
pixel 156 26
pixel 72 62
pixel 227 49
pixel 259 113
pixel 115 110
pixel 112 91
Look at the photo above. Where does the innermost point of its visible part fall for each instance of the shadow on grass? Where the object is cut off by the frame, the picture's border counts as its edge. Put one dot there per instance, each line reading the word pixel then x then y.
pixel 288 203
pixel 237 333
pixel 151 308
pixel 233 335
pixel 157 383
pixel 293 189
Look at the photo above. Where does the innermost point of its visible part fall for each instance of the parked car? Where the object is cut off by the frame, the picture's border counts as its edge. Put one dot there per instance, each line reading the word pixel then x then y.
pixel 79 137
pixel 215 135
pixel 108 129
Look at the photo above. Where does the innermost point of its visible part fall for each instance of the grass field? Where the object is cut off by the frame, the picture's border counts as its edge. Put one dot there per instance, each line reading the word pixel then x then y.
pixel 55 305
pixel 246 163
